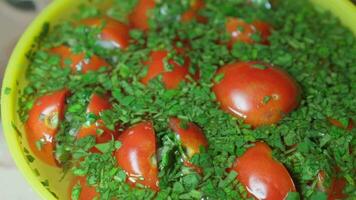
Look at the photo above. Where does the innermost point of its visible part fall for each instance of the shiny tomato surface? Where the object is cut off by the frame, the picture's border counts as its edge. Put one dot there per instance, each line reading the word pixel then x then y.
pixel 192 13
pixel 87 192
pixel 141 13
pixel 171 79
pixel 137 155
pixel 241 31
pixel 191 137
pixel 335 190
pixel 114 33
pixel 96 105
pixel 260 96
pixel 78 61
pixel 42 125
pixel 263 176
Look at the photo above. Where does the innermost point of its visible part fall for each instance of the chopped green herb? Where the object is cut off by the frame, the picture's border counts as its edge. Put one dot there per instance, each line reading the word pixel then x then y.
pixel 30 158
pixel 39 144
pixel 293 196
pixel 218 78
pixel 260 66
pixel 266 99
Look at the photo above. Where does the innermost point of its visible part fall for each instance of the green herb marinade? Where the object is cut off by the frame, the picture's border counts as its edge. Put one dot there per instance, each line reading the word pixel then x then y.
pixel 311 46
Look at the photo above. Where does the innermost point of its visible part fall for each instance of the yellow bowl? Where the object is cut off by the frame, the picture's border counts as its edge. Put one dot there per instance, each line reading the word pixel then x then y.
pixel 44 179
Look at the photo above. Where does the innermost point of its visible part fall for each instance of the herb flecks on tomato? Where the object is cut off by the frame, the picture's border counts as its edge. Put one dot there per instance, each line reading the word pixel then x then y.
pixel 139 18
pixel 97 105
pixel 192 140
pixel 335 189
pixel 78 62
pixel 337 123
pixel 157 64
pixel 193 12
pixel 241 31
pixel 262 175
pixel 137 155
pixel 80 190
pixel 191 137
pixel 114 34
pixel 43 123
pixel 256 92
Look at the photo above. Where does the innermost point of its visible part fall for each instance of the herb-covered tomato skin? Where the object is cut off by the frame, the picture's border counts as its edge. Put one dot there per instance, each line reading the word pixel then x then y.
pixel 191 137
pixel 335 190
pixel 78 61
pixel 114 33
pixel 192 13
pixel 96 105
pixel 241 31
pixel 337 123
pixel 263 177
pixel 256 92
pixel 264 29
pixel 86 192
pixel 171 79
pixel 137 155
pixel 140 15
pixel 42 125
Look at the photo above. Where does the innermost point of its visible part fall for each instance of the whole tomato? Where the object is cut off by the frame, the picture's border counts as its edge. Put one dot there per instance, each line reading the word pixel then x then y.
pixel 172 78
pixel 97 105
pixel 42 125
pixel 139 17
pixel 114 33
pixel 241 31
pixel 256 92
pixel 78 61
pixel 192 139
pixel 262 175
pixel 137 155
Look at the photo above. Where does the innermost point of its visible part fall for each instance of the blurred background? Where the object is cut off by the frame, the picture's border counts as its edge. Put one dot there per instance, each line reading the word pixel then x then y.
pixel 15 15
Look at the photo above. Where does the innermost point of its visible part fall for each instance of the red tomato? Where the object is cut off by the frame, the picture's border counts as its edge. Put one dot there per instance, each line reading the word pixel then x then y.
pixel 192 138
pixel 263 177
pixel 338 124
pixel 240 31
pixel 171 79
pixel 96 105
pixel 114 33
pixel 264 29
pixel 87 192
pixel 335 191
pixel 260 96
pixel 137 155
pixel 78 61
pixel 42 125
pixel 141 13
pixel 192 13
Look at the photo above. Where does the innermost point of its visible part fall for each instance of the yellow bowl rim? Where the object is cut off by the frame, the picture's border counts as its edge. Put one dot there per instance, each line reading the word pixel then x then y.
pixel 8 101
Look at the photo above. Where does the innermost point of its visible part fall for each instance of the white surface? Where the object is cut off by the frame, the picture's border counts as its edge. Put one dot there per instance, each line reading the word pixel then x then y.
pixel 12 22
